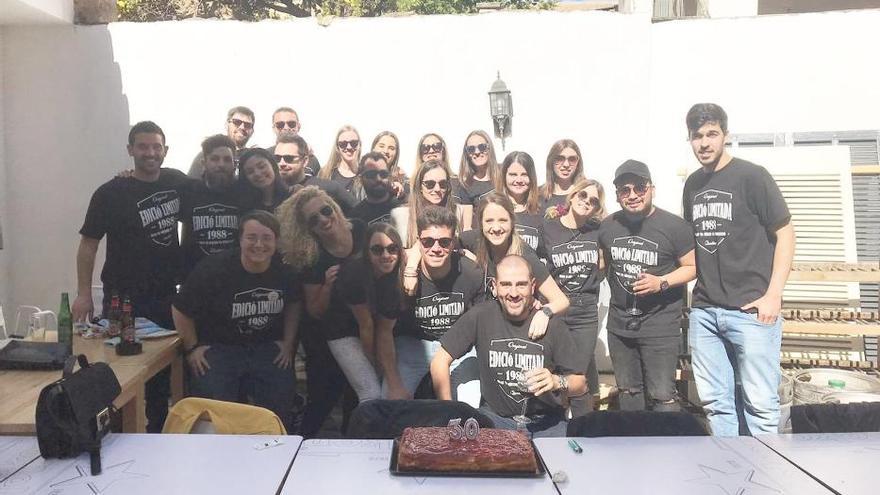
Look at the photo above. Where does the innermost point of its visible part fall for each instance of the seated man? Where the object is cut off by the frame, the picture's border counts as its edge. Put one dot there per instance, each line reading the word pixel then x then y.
pixel 500 332
pixel 237 314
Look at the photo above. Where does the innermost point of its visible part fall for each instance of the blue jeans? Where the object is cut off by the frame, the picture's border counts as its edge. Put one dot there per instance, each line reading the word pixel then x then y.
pixel 414 362
pixel 542 425
pixel 237 366
pixel 730 348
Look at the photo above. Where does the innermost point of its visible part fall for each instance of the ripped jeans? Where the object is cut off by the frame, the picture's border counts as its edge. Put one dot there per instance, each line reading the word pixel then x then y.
pixel 644 368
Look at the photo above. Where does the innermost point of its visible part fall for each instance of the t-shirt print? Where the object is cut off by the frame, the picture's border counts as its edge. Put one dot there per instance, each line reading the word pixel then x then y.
pixel 386 218
pixel 436 313
pixel 254 310
pixel 215 227
pixel 158 213
pixel 577 260
pixel 507 359
pixel 630 256
pixel 528 234
pixel 712 214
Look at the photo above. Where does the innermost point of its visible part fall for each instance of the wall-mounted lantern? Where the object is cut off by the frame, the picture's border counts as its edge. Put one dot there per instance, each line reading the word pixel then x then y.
pixel 501 108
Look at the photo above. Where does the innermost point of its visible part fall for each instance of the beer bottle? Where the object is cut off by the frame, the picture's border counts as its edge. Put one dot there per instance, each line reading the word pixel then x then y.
pixel 127 323
pixel 114 318
pixel 65 324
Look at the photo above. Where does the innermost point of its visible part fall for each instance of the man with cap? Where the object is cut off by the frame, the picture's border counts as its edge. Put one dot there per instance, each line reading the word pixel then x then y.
pixel 649 253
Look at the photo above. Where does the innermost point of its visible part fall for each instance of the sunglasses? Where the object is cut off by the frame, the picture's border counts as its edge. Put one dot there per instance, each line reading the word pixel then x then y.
pixel 288 158
pixel 290 123
pixel 391 249
pixel 480 148
pixel 584 195
pixel 573 159
pixel 242 123
pixel 431 148
pixel 431 184
pixel 353 144
pixel 326 211
pixel 639 189
pixel 428 242
pixel 375 174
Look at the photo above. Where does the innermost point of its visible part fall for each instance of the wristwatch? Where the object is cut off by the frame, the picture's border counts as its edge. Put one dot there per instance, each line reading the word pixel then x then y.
pixel 663 285
pixel 547 311
pixel 562 381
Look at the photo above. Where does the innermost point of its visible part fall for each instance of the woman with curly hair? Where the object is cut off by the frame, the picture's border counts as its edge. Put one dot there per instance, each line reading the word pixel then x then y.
pixel 517 179
pixel 477 175
pixel 570 244
pixel 342 166
pixel 565 166
pixel 316 239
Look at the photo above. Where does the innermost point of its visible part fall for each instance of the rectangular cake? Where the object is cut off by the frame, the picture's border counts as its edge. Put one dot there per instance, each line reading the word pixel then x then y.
pixel 494 450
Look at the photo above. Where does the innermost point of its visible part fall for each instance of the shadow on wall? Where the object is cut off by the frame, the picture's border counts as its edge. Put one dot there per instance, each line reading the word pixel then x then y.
pixel 67 126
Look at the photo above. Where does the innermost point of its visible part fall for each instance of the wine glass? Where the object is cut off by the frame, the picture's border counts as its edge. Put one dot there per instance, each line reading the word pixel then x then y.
pixel 523 386
pixel 633 309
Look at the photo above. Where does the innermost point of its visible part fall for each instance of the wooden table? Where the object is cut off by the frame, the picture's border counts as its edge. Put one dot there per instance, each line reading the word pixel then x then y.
pixel 164 464
pixel 680 465
pixel 20 389
pixel 845 462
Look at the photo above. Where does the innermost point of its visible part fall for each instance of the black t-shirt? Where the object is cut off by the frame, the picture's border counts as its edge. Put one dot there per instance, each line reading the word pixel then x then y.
pixel 232 306
pixel 355 285
pixel 528 226
pixel 371 213
pixel 336 191
pixel 314 275
pixel 471 195
pixel 347 183
pixel 653 245
pixel 504 349
pixel 438 304
pixel 210 222
pixel 573 258
pixel 140 221
pixel 735 213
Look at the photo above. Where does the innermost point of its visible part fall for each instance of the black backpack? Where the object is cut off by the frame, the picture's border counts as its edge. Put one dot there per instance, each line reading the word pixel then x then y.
pixel 73 414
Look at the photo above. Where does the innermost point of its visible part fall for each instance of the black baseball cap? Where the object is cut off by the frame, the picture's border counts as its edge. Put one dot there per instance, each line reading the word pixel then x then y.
pixel 632 167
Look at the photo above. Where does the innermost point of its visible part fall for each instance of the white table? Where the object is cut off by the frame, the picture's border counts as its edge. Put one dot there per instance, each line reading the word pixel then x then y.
pixel 846 462
pixel 16 453
pixel 680 465
pixel 361 466
pixel 164 464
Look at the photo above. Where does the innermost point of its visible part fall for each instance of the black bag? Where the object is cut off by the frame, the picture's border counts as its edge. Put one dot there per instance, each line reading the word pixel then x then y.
pixel 73 414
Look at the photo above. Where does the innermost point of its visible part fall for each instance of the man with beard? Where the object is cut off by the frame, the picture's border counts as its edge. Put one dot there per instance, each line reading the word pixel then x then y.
pixel 285 122
pixel 376 182
pixel 239 128
pixel 210 208
pixel 499 330
pixel 746 242
pixel 139 215
pixel 292 153
pixel 650 257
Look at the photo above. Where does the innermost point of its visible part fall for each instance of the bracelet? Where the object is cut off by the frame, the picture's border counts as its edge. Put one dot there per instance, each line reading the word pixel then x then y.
pixel 187 352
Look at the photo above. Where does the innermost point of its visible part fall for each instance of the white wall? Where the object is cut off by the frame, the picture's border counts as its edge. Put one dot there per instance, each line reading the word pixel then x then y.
pixel 4 219
pixel 617 84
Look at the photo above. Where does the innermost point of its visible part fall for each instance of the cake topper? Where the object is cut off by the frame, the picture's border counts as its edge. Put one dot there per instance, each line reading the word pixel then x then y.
pixel 470 431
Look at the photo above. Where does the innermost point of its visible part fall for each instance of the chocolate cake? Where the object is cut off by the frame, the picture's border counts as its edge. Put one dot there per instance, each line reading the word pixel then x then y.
pixel 494 450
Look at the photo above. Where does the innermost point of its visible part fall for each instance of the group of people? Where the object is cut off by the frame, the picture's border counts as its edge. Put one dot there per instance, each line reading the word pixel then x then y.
pixel 482 285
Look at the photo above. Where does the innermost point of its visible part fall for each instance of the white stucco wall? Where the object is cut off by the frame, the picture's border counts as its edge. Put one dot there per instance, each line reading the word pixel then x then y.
pixel 617 84
pixel 4 219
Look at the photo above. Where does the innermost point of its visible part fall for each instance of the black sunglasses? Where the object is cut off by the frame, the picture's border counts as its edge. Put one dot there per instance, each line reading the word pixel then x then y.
pixel 290 123
pixel 327 211
pixel 481 148
pixel 238 123
pixel 428 242
pixel 639 189
pixel 374 174
pixel 431 184
pixel 288 158
pixel 594 201
pixel 378 249
pixel 353 144
pixel 431 148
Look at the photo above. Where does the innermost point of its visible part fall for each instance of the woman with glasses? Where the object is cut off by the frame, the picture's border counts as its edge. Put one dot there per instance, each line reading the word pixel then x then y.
pixel 342 166
pixel 564 168
pixel 431 147
pixel 260 181
pixel 477 175
pixel 497 238
pixel 432 185
pixel 364 304
pixel 517 179
pixel 386 142
pixel 570 244
pixel 316 239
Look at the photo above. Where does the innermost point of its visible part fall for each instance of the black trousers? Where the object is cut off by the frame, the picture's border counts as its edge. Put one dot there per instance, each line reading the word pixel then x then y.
pixel 644 368
pixel 325 382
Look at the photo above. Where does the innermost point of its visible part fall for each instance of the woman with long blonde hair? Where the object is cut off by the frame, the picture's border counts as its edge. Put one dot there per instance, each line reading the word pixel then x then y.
pixel 342 166
pixel 431 147
pixel 432 185
pixel 570 244
pixel 565 166
pixel 477 174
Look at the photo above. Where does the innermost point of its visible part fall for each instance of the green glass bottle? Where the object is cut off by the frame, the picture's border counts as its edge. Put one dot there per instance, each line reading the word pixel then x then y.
pixel 65 324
